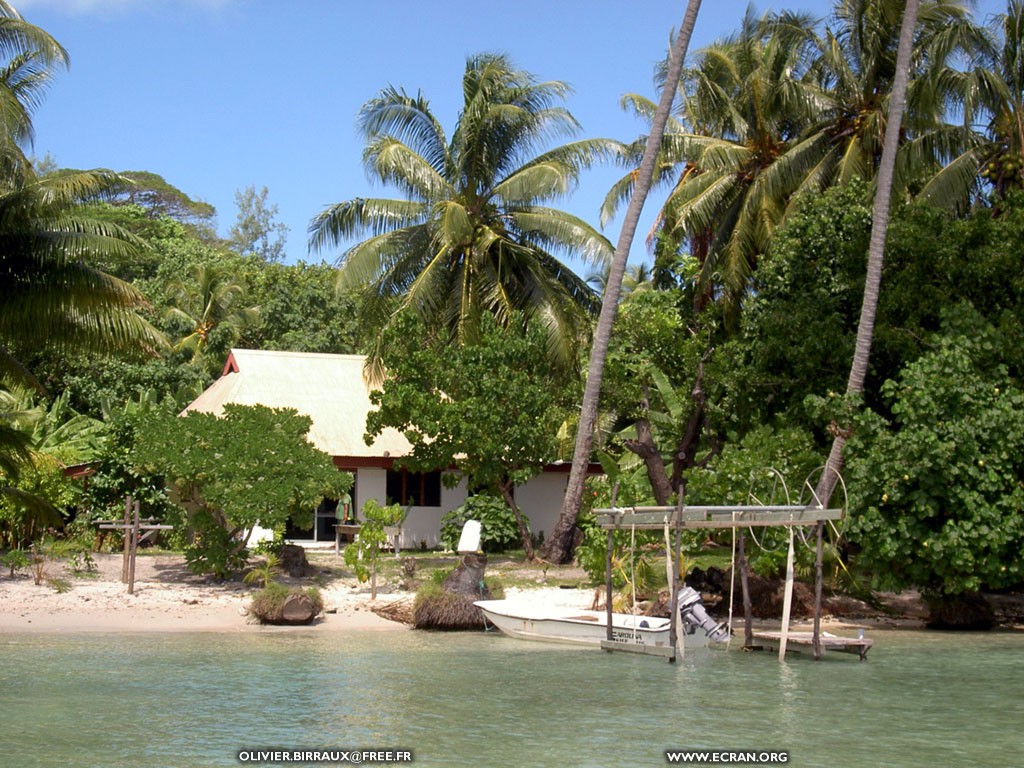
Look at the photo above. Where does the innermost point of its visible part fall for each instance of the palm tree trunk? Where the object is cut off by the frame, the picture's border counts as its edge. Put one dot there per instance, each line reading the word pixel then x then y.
pixel 558 548
pixel 876 246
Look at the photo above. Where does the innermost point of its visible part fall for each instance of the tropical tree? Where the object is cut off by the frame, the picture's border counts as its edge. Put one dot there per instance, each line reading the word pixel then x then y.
pixel 854 69
pixel 255 231
pixel 210 301
pixel 30 58
pixel 777 111
pixel 993 104
pixel 876 245
pixel 745 105
pixel 53 298
pixel 491 409
pixel 558 548
pixel 473 234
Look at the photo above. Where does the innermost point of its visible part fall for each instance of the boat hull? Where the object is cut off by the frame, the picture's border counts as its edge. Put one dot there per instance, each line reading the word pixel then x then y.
pixel 578 626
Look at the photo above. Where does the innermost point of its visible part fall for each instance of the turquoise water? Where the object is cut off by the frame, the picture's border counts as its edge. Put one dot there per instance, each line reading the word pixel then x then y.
pixel 922 699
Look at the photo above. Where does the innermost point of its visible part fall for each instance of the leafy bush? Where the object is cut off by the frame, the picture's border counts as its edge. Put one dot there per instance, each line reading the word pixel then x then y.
pixel 498 527
pixel 214 550
pixel 16 560
pixel 363 553
pixel 935 488
pixel 591 555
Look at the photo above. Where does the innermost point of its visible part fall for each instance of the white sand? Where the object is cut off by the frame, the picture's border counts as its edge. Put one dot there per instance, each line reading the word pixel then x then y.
pixel 167 598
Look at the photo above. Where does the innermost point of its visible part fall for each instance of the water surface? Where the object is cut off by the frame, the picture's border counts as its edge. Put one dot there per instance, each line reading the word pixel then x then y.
pixel 922 699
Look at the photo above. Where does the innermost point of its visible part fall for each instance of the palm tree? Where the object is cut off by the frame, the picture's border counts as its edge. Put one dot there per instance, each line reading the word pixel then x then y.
pixel 744 106
pixel 52 297
pixel 993 105
pixel 473 233
pixel 876 245
pixel 209 301
pixel 777 111
pixel 31 55
pixel 558 547
pixel 854 68
pixel 636 279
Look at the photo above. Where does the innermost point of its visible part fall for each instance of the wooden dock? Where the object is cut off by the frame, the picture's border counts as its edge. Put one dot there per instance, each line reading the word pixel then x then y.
pixel 797 641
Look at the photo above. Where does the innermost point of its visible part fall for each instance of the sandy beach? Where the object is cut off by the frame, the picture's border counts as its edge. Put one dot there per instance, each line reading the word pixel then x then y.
pixel 167 598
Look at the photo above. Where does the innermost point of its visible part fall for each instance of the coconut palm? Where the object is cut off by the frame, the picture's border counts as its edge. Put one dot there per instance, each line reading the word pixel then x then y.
pixel 994 106
pixel 876 245
pixel 210 300
pixel 30 56
pixel 52 297
pixel 473 233
pixel 635 280
pixel 778 110
pixel 745 105
pixel 854 68
pixel 558 547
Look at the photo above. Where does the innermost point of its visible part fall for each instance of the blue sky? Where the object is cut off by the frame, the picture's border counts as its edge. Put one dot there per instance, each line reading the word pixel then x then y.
pixel 217 95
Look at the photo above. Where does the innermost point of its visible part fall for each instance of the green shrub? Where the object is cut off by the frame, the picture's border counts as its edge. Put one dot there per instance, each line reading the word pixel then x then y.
pixel 16 560
pixel 498 527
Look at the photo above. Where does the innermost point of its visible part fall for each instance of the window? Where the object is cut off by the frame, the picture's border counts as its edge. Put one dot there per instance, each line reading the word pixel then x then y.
pixel 419 489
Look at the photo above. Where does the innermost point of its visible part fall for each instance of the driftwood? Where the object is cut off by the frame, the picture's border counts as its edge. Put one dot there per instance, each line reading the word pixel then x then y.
pixel 293 561
pixel 451 606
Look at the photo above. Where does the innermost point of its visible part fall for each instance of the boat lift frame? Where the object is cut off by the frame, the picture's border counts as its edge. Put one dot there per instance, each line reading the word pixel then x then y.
pixel 684 517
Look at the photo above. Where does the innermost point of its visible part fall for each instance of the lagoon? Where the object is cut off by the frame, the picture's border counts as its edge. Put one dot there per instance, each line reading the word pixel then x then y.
pixel 480 699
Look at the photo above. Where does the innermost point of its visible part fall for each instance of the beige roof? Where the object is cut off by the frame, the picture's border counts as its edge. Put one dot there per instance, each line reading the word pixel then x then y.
pixel 327 388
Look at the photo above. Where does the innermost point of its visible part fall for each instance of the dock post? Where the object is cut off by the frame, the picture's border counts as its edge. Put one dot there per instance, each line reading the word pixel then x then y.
pixel 127 543
pixel 818 579
pixel 787 600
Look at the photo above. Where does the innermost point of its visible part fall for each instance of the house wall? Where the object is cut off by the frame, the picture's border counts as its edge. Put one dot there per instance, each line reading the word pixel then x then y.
pixel 541 500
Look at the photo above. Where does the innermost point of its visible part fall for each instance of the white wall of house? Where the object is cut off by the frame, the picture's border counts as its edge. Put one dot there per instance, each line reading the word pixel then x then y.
pixel 541 500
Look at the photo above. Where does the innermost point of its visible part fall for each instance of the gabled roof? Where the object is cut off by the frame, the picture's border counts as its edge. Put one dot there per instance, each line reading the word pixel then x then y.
pixel 328 388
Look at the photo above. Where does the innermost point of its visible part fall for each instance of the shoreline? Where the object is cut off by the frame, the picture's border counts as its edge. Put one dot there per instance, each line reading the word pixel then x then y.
pixel 169 598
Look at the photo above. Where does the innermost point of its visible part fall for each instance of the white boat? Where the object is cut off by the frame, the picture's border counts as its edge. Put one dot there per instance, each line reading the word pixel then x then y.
pixel 560 624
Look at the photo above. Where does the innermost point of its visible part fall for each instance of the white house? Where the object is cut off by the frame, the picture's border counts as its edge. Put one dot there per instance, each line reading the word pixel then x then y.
pixel 330 389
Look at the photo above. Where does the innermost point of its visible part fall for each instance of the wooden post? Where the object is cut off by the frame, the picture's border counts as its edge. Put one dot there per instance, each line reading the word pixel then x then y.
pixel 127 541
pixel 748 609
pixel 818 579
pixel 787 600
pixel 671 563
pixel 134 534
pixel 608 583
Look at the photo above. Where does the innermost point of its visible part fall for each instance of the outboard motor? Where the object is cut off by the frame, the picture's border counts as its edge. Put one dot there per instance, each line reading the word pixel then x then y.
pixel 691 609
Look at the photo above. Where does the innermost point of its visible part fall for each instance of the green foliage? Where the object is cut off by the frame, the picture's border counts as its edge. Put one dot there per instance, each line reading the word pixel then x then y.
pixel 214 550
pixel 935 488
pixel 742 473
pixel 498 527
pixel 15 560
pixel 364 552
pixel 631 559
pixel 255 232
pixel 42 492
pixel 768 466
pixel 491 409
pixel 252 466
pixel 119 474
pixel 800 321
pixel 263 574
pixel 301 309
